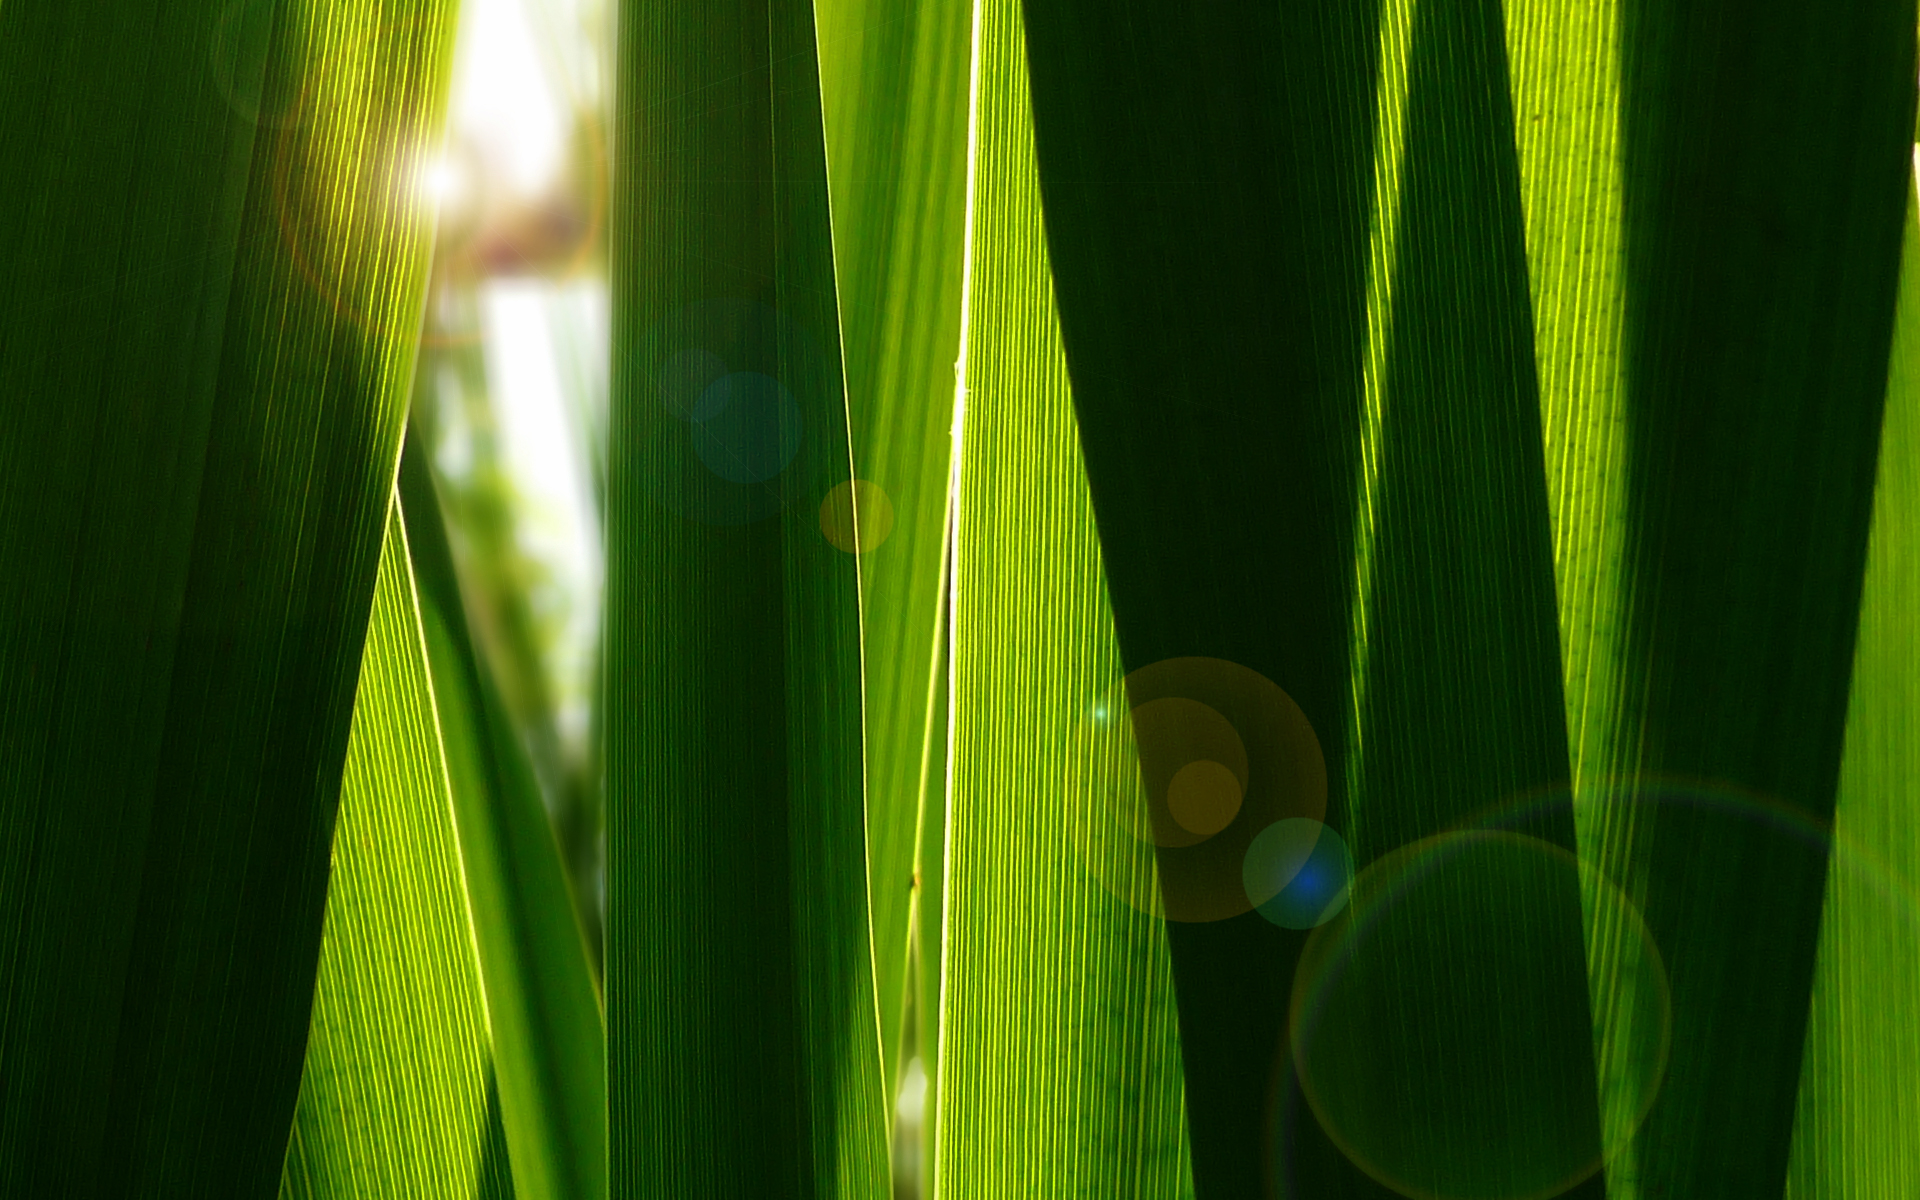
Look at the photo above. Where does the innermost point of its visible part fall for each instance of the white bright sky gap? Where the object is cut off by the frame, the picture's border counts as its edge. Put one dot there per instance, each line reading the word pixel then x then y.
pixel 540 336
pixel 544 455
pixel 503 101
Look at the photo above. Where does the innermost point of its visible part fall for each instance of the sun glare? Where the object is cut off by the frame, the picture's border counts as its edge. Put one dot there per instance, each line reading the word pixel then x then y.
pixel 444 184
pixel 504 103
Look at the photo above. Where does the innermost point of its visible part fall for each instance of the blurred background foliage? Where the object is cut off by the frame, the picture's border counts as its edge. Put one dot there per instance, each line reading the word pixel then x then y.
pixel 510 388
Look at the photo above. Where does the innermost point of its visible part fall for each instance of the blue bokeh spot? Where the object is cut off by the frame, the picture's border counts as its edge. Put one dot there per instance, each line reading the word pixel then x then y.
pixel 746 427
pixel 1297 872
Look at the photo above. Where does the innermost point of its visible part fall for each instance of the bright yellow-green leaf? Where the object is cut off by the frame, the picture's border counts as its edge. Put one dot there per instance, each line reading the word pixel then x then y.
pixel 1059 1051
pixel 894 88
pixel 397 1098
pixel 1713 197
pixel 549 1042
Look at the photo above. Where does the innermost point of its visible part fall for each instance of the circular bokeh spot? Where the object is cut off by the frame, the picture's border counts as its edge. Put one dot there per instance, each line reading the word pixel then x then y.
pixel 1172 734
pixel 1297 873
pixel 683 380
pixel 860 505
pixel 750 430
pixel 1204 796
pixel 1441 1026
pixel 1175 771
pixel 739 410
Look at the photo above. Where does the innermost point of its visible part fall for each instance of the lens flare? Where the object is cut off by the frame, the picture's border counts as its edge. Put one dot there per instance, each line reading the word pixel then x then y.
pixel 1297 873
pixel 1441 1026
pixel 1175 771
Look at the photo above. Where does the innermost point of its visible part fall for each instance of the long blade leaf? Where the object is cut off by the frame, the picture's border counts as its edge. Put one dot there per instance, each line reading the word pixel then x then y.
pixel 549 1039
pixel 1059 1056
pixel 1289 261
pixel 743 1041
pixel 1856 1131
pixel 894 86
pixel 397 1096
pixel 1713 201
pixel 214 250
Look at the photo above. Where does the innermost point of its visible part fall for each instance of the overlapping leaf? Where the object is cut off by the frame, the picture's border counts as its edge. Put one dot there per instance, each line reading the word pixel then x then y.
pixel 894 87
pixel 1713 201
pixel 1059 1055
pixel 1855 1130
pixel 744 1053
pixel 397 1097
pixel 214 255
pixel 548 1036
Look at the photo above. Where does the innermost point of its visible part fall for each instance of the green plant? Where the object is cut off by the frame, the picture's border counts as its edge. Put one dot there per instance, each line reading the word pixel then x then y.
pixel 1499 418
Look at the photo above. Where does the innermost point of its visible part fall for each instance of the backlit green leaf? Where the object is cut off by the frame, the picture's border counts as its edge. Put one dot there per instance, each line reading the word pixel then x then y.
pixel 894 86
pixel 213 248
pixel 1856 1131
pixel 743 1040
pixel 397 1098
pixel 549 1043
pixel 1713 201
pixel 1059 1057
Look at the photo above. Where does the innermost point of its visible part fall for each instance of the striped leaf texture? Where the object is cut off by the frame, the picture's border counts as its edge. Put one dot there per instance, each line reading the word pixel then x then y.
pixel 1713 203
pixel 1301 601
pixel 1059 1052
pixel 1287 249
pixel 456 1045
pixel 397 1097
pixel 548 1035
pixel 893 79
pixel 1855 1125
pixel 214 249
pixel 743 1037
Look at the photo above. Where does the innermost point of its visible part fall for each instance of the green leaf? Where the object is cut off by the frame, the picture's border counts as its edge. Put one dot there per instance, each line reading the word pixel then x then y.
pixel 1059 1065
pixel 894 87
pixel 743 1041
pixel 1289 260
pixel 214 258
pixel 511 630
pixel 397 1097
pixel 1713 208
pixel 549 1039
pixel 1854 1132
